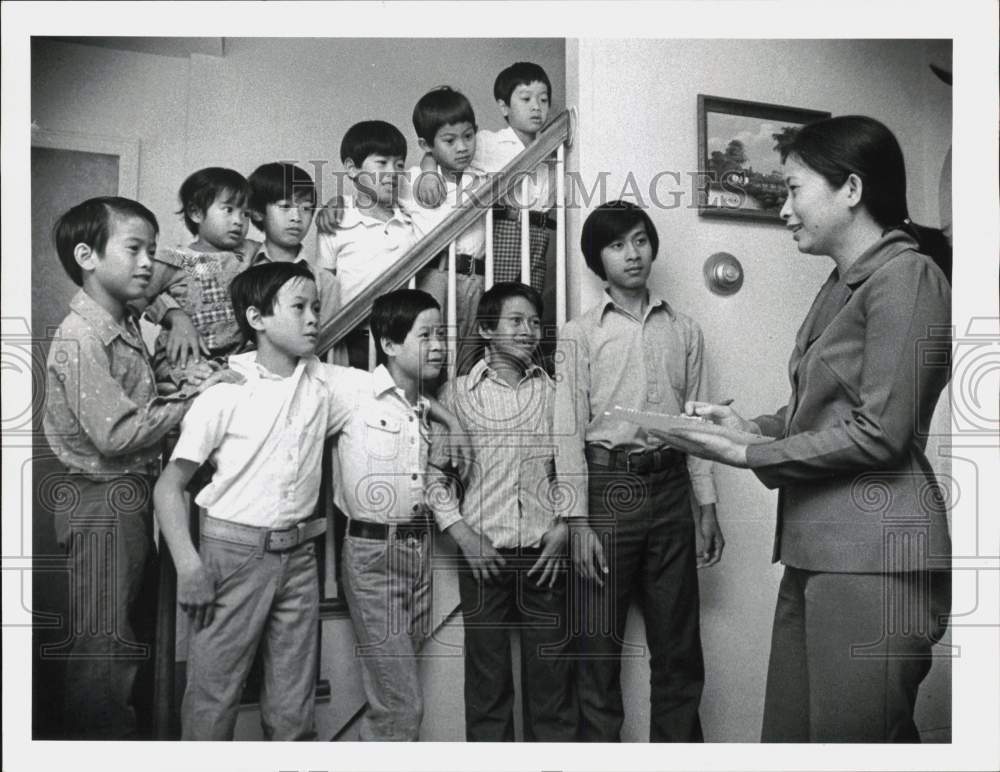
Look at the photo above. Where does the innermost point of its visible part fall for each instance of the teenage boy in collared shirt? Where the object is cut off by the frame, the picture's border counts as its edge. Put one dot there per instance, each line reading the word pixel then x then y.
pixel 105 424
pixel 631 523
pixel 254 582
pixel 381 485
pixel 510 538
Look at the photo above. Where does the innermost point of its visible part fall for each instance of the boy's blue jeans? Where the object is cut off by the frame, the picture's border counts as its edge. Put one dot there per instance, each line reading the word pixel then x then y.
pixel 106 528
pixel 387 584
pixel 647 530
pixel 266 599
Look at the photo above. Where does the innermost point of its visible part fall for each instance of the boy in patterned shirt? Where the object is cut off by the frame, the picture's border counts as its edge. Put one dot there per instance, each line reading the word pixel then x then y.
pixel 513 575
pixel 104 422
pixel 189 288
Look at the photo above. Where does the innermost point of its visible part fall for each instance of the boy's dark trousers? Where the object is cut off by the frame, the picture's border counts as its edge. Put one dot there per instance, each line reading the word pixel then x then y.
pixel 540 616
pixel 106 527
pixel 645 525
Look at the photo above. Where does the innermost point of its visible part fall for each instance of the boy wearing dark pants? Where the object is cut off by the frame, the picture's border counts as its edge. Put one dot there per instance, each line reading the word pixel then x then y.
pixel 631 527
pixel 512 543
pixel 254 582
pixel 105 423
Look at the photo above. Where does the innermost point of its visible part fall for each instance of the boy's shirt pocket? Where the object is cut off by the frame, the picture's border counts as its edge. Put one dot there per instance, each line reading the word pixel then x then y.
pixel 383 434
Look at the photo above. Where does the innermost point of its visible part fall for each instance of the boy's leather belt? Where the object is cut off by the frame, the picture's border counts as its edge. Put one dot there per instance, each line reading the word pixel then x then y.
pixel 538 219
pixel 268 539
pixel 464 264
pixel 469 266
pixel 365 529
pixel 633 461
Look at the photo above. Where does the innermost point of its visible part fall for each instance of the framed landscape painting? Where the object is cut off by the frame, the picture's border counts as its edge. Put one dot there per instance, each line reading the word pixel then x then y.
pixel 738 162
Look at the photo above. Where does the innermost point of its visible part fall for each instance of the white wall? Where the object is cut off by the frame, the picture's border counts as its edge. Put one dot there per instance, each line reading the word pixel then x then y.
pixel 266 99
pixel 637 103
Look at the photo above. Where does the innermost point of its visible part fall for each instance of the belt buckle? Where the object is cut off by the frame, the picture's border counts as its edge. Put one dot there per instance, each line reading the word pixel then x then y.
pixel 282 533
pixel 628 460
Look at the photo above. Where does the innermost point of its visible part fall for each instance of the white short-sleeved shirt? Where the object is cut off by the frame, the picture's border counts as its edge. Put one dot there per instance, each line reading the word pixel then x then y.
pixel 496 149
pixel 265 437
pixel 472 241
pixel 363 247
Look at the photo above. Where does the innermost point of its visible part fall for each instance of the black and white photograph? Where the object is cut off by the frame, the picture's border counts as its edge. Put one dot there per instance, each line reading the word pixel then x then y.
pixel 481 372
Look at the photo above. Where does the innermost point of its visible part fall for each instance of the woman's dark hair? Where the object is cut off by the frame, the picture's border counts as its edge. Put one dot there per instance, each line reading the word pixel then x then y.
pixel 836 148
pixel 609 222
pixel 258 286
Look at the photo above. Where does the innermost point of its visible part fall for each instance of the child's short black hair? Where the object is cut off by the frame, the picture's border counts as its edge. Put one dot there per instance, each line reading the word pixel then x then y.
pixel 258 286
pixel 199 191
pixel 611 221
pixel 519 74
pixel 372 138
pixel 89 223
pixel 440 107
pixel 491 303
pixel 278 181
pixel 393 315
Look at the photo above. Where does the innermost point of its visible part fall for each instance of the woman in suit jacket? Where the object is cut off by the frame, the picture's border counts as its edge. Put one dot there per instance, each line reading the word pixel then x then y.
pixel 861 529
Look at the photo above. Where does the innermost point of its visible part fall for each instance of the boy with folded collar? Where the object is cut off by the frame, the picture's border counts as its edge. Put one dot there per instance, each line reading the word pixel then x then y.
pixel 254 583
pixel 382 485
pixel 631 525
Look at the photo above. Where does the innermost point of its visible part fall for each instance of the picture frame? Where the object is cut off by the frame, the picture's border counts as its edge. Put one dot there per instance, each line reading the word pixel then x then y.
pixel 738 166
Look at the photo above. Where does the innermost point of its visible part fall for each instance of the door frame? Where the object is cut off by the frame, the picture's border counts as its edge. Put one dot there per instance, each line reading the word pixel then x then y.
pixel 125 148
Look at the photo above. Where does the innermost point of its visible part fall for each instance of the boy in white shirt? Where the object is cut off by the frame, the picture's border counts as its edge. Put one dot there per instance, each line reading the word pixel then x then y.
pixel 523 93
pixel 359 237
pixel 445 124
pixel 254 582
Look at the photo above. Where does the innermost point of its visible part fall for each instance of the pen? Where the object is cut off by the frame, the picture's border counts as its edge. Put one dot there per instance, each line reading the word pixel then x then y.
pixel 726 402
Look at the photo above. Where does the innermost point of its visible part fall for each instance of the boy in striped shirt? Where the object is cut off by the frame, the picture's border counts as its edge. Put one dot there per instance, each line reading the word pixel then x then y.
pixel 513 574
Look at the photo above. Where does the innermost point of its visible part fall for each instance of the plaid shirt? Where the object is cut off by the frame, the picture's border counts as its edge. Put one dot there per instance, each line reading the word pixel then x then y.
pixel 198 284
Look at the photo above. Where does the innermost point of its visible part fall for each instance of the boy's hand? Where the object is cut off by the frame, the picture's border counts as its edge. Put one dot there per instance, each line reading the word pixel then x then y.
pixel 330 215
pixel 197 372
pixel 458 448
pixel 225 375
pixel 183 340
pixel 429 190
pixel 196 594
pixel 708 539
pixel 553 551
pixel 587 553
pixel 478 552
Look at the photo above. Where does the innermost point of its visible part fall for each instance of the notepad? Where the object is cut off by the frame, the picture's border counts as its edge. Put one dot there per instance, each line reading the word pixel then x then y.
pixel 693 424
